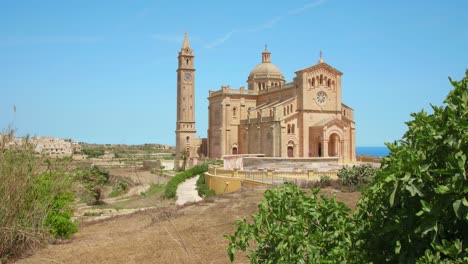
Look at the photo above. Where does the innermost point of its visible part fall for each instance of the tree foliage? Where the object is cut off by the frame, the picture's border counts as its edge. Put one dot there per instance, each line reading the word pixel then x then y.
pixel 418 203
pixel 94 180
pixel 291 227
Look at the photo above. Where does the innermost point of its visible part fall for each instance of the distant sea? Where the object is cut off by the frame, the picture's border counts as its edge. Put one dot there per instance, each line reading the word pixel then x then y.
pixel 373 151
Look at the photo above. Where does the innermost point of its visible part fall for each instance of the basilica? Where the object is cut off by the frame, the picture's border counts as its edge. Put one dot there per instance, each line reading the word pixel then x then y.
pixel 303 118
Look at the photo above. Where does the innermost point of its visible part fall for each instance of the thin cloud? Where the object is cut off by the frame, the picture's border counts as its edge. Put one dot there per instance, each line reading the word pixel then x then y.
pixel 305 7
pixel 220 40
pixel 267 25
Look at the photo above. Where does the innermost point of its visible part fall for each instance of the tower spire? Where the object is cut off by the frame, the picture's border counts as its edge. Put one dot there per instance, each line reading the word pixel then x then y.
pixel 186 44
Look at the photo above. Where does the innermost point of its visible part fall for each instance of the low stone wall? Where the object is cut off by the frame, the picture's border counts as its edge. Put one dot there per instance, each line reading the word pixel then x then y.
pixel 255 163
pixel 236 161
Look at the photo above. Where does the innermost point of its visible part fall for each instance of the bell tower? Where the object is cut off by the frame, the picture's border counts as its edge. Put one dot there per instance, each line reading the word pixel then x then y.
pixel 185 126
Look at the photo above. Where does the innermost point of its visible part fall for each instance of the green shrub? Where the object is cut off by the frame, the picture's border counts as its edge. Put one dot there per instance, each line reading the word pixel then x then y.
pixel 324 181
pixel 291 227
pixel 418 202
pixel 94 152
pixel 202 188
pixel 94 180
pixel 33 205
pixel 171 186
pixel 58 219
pixel 356 175
pixel 120 187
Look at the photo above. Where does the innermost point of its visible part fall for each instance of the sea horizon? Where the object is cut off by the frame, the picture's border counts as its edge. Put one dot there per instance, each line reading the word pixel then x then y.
pixel 377 151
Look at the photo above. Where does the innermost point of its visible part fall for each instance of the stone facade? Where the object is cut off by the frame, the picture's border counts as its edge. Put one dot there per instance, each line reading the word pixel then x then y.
pixel 49 146
pixel 55 147
pixel 302 118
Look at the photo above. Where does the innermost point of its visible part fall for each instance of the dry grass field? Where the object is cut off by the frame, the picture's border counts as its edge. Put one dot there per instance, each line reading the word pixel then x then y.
pixel 189 234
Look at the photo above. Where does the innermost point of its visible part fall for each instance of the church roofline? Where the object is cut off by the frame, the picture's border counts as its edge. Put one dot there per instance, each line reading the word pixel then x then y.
pixel 347 106
pixel 321 65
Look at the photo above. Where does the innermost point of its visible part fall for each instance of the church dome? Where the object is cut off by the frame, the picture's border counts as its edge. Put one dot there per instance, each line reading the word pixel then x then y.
pixel 266 69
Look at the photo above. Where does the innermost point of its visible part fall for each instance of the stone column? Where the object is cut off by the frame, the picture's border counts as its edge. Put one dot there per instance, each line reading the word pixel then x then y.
pixel 325 148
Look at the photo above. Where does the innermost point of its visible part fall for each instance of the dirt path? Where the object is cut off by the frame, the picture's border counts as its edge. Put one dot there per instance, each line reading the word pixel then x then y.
pixel 187 192
pixel 188 234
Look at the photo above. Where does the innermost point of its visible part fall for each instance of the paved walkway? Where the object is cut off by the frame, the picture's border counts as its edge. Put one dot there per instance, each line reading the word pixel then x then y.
pixel 187 192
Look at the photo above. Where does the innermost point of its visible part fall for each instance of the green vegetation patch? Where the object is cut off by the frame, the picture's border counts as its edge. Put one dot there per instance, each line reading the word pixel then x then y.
pixel 202 187
pixel 35 205
pixel 171 187
pixel 155 189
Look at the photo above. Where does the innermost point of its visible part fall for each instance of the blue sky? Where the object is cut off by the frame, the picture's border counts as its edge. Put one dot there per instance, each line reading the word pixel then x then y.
pixel 105 71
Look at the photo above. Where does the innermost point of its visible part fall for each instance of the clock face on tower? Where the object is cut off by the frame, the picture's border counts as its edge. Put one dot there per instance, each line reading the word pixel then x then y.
pixel 188 76
pixel 321 98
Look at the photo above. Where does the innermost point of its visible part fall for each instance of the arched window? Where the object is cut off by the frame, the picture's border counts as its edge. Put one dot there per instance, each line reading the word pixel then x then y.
pixel 289 129
pixel 321 79
pixel 186 61
pixel 234 112
pixel 329 83
pixel 292 128
pixel 313 82
pixel 284 111
pixel 187 139
pixel 259 86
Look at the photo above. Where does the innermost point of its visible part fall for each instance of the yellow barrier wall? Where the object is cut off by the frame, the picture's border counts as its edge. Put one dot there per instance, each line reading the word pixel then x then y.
pixel 221 184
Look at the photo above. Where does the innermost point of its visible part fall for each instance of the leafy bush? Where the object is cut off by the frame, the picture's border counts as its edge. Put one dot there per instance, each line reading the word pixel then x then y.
pixel 418 202
pixel 356 175
pixel 171 187
pixel 324 181
pixel 119 187
pixel 203 190
pixel 31 201
pixel 291 227
pixel 94 180
pixel 93 152
pixel 58 219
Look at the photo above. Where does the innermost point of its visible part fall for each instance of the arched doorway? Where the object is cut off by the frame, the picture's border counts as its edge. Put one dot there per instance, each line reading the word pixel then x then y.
pixel 334 145
pixel 234 150
pixel 290 149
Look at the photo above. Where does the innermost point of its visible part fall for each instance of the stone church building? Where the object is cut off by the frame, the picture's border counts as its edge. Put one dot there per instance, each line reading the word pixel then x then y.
pixel 302 118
